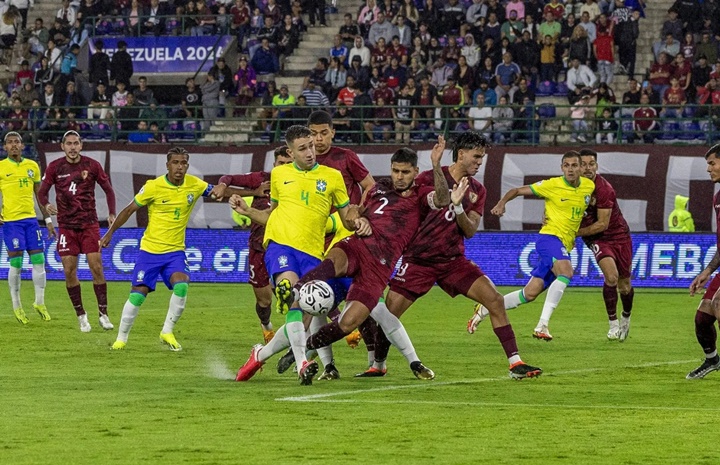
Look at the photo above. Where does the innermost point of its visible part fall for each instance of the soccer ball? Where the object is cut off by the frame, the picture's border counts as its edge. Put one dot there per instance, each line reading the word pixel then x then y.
pixel 316 298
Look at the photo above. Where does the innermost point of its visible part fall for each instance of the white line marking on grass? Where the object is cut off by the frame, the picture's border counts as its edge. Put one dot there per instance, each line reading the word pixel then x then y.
pixel 431 384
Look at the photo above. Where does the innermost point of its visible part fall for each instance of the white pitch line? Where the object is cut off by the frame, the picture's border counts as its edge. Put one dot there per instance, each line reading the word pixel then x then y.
pixel 431 384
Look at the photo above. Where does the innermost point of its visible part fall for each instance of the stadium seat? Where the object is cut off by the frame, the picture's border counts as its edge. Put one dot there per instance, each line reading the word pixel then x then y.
pixel 626 127
pixel 460 41
pixel 689 111
pixel 545 89
pixel 561 90
pixel 546 110
pixel 689 130
pixel 669 130
pixel 442 40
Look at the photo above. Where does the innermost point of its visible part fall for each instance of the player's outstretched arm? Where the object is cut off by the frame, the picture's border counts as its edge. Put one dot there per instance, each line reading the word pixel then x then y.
pixel 499 209
pixel 121 219
pixel 602 223
pixel 700 280
pixel 352 221
pixel 441 198
pixel 258 216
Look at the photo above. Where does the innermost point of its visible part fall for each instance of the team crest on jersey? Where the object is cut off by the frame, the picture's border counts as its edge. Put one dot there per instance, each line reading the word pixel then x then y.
pixel 321 185
pixel 190 198
pixel 84 174
pixel 16 243
pixel 31 174
pixel 587 200
pixel 283 261
pixel 140 276
pixel 473 197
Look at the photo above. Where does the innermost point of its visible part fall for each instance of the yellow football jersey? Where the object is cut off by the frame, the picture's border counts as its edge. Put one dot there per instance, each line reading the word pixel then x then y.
pixel 304 200
pixel 17 185
pixel 564 206
pixel 169 208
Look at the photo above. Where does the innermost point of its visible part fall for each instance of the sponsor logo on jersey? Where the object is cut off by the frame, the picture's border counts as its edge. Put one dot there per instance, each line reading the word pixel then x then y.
pixel 321 185
pixel 61 176
pixel 190 198
pixel 283 261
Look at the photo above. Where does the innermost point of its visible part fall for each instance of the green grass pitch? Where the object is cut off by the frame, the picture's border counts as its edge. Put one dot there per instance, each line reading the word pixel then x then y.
pixel 67 399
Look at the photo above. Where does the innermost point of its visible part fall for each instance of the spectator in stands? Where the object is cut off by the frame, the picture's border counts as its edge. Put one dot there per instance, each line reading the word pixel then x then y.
pixel 338 50
pixel 210 91
pixel 527 52
pixel 644 122
pixel 88 14
pixel 342 123
pixel 404 34
pixel 507 75
pixel 158 137
pixel 143 94
pixel 206 20
pixel 300 112
pixel 502 118
pixel 380 125
pixel 288 37
pixel 689 12
pixel 633 94
pixel 360 112
pixel 359 73
pixel 335 78
pixel 512 28
pixel 480 117
pixel 27 93
pixel 48 99
pixel 225 78
pixel 604 48
pixel 23 74
pixel 141 134
pixel 17 119
pixel 626 33
pixel 465 77
pixel 431 16
pixel 66 13
pixel 579 113
pixel 347 94
pixel 682 69
pixel 434 51
pixel 240 25
pixel 660 73
pixel 380 55
pixel 688 47
pixel 398 50
pixel 265 61
pixel 73 100
pixel 37 39
pixel 592 9
pixel 424 34
pixel 395 75
pixel 674 99
pixel 451 52
pixel 453 17
pixel 700 76
pixel 548 59
pixel 550 27
pixel 589 26
pixel 120 96
pixel 492 29
pixel 556 8
pixel 121 65
pixel 470 51
pixel 245 82
pixel 133 18
pixel 381 28
pixel 155 17
pixel 60 33
pixel 607 128
pixel 272 10
pixel 348 31
pixel 99 103
pixel 367 16
pixel 265 115
pixel 423 107
pixel 99 67
pixel 452 99
pixel 495 7
pixel 669 46
pixel 315 97
pixel 441 72
pixel 9 31
pixel 318 74
pixel 672 26
pixel 523 92
pixel 37 118
pixel 484 88
pixel 384 91
pixel 475 12
pixel 419 54
pixel 579 77
pixel 190 101
pixel 707 48
pixel 360 50
pixel 403 116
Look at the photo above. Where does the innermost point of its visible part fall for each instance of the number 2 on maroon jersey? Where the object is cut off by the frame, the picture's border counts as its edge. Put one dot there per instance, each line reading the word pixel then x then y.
pixel 379 210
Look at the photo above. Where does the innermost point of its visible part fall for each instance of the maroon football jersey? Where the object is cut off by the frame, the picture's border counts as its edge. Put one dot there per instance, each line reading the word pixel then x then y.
pixel 353 171
pixel 439 238
pixel 602 198
pixel 394 219
pixel 75 191
pixel 716 206
pixel 253 181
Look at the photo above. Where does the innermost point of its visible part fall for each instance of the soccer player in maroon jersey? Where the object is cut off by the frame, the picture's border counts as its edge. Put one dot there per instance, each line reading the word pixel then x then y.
pixel 395 209
pixel 437 255
pixel 708 311
pixel 606 233
pixel 74 178
pixel 258 185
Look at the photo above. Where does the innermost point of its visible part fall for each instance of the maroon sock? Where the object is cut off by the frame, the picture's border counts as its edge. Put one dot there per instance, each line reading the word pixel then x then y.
pixel 101 295
pixel 334 314
pixel 705 332
pixel 610 295
pixel 627 301
pixel 382 345
pixel 506 336
pixel 263 313
pixel 368 329
pixel 76 299
pixel 325 271
pixel 325 336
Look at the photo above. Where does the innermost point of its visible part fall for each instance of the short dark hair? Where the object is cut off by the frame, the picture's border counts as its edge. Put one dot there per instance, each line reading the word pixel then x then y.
pixel 121 44
pixel 70 133
pixel 281 151
pixel 13 134
pixel 296 132
pixel 570 154
pixel 99 44
pixel 714 150
pixel 320 117
pixel 405 155
pixel 589 152
pixel 177 151
pixel 468 141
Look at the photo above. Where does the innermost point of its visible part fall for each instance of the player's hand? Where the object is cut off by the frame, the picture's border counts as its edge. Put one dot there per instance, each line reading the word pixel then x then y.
pixel 51 209
pixel 699 282
pixel 437 151
pixel 51 231
pixel 111 220
pixel 104 241
pixel 362 227
pixel 353 213
pixel 458 191
pixel 218 192
pixel 263 190
pixel 238 204
pixel 499 209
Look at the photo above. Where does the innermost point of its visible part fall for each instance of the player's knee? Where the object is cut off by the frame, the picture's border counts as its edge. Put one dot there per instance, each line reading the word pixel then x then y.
pixel 136 298
pixel 624 286
pixel 496 304
pixel 16 262
pixel 37 258
pixel 181 289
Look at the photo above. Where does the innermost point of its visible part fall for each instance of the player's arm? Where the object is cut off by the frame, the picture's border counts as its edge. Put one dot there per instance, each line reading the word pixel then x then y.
pixel 223 189
pixel 441 196
pixel 701 279
pixel 468 221
pixel 352 222
pixel 238 204
pixel 43 196
pixel 43 210
pixel 366 184
pixel 105 185
pixel 121 219
pixel 499 209
pixel 599 226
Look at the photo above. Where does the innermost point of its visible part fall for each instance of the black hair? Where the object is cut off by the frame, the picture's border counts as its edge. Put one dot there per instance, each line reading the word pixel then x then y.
pixel 588 153
pixel 281 151
pixel 13 134
pixel 177 151
pixel 296 132
pixel 320 117
pixel 468 141
pixel 714 150
pixel 570 154
pixel 71 133
pixel 405 155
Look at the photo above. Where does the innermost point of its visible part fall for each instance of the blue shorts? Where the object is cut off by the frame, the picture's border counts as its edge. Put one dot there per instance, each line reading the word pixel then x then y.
pixel 550 248
pixel 149 266
pixel 22 235
pixel 281 258
pixel 340 287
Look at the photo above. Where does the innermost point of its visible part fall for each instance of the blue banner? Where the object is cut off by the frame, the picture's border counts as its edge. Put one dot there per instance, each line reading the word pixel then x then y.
pixel 220 255
pixel 168 54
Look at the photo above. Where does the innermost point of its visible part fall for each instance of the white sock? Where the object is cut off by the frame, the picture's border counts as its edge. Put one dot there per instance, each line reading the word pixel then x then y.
pixel 371 357
pixel 296 335
pixel 325 353
pixel 267 327
pixel 512 300
pixel 394 331
pixel 38 277
pixel 14 282
pixel 127 319
pixel 277 344
pixel 175 311
pixel 552 299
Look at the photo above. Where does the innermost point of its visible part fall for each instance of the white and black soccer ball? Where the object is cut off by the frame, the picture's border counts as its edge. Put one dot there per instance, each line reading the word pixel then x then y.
pixel 316 297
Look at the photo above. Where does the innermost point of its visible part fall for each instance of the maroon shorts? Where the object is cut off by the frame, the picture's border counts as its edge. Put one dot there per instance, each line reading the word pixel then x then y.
pixel 619 250
pixel 370 275
pixel 712 288
pixel 73 242
pixel 456 277
pixel 258 273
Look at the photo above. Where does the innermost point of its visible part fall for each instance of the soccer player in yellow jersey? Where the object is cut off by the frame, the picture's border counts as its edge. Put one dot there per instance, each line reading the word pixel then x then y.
pixel 302 195
pixel 170 199
pixel 19 183
pixel 566 198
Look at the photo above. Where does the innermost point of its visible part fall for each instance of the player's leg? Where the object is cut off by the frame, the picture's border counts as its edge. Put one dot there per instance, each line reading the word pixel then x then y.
pixel 623 259
pixel 705 317
pixel 535 286
pixel 35 248
pixel 16 258
pixel 176 275
pixel 553 253
pixel 72 286
pixel 260 282
pixel 89 240
pixel 610 294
